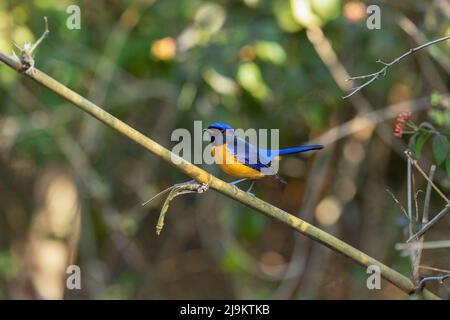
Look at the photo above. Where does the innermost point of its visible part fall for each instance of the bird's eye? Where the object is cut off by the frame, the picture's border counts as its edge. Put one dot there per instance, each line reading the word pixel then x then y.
pixel 213 138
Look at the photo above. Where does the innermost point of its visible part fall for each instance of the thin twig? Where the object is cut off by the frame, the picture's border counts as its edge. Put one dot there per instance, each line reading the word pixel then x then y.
pixel 410 191
pixel 416 196
pixel 434 269
pixel 221 186
pixel 43 36
pixel 370 120
pixel 425 215
pixel 416 165
pixel 398 203
pixel 374 76
pixel 426 206
pixel 426 245
pixel 177 190
pixel 158 194
pixel 441 58
pixel 27 51
pixel 432 222
pixel 440 279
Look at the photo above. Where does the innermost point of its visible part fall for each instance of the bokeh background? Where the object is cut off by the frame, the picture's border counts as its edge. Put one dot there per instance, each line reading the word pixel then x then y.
pixel 71 189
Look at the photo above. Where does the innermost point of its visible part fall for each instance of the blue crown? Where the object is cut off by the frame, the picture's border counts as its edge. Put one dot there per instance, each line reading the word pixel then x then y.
pixel 220 126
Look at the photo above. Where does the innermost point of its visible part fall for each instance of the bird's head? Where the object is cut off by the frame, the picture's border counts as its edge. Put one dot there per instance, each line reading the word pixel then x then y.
pixel 217 130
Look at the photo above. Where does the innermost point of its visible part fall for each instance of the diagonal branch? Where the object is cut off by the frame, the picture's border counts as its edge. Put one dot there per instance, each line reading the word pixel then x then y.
pixel 416 165
pixel 434 269
pixel 439 279
pixel 382 72
pixel 432 222
pixel 441 214
pixel 205 178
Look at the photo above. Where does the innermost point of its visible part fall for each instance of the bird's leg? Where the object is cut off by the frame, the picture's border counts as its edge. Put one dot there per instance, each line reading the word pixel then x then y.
pixel 234 183
pixel 250 189
pixel 251 186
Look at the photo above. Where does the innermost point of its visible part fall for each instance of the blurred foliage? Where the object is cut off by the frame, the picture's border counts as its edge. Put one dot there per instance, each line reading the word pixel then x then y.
pixel 420 134
pixel 160 65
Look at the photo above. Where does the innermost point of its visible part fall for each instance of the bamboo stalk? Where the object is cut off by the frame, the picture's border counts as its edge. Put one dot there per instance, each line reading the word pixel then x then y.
pixel 206 178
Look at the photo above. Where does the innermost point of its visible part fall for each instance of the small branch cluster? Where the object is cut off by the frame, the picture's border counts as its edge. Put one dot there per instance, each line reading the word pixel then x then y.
pixel 439 279
pixel 445 274
pixel 176 190
pixel 25 59
pixel 382 72
pixel 415 242
pixel 427 226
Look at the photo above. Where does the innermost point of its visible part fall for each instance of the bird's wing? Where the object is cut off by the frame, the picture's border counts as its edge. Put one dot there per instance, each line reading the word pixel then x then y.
pixel 249 154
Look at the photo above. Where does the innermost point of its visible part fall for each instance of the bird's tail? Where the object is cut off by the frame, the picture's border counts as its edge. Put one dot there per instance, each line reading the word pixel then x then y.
pixel 284 152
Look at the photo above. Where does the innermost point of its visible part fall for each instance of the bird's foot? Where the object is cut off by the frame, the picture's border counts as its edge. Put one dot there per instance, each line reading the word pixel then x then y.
pixel 234 183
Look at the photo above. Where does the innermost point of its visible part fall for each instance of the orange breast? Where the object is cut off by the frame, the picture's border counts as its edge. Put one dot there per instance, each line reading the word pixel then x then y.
pixel 228 163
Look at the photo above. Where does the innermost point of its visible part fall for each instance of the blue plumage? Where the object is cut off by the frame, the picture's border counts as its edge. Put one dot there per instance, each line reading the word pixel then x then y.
pixel 249 154
pixel 287 151
pixel 220 126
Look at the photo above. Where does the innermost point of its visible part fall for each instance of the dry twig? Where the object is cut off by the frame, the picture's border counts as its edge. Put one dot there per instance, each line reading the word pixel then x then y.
pixel 440 279
pixel 382 72
pixel 176 190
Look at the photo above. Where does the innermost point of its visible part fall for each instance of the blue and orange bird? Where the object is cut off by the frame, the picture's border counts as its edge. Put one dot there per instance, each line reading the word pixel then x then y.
pixel 242 160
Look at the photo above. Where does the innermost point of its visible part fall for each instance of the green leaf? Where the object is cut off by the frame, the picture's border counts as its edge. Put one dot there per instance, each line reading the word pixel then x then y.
pixel 441 147
pixel 315 115
pixel 412 143
pixel 250 225
pixel 285 18
pixel 437 117
pixel 447 166
pixel 250 78
pixel 436 98
pixel 234 259
pixel 423 137
pixel 270 51
pixel 326 9
pixel 304 15
pixel 220 83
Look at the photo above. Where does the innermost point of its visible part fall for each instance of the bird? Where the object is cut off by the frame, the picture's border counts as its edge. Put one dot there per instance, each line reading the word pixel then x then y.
pixel 240 159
